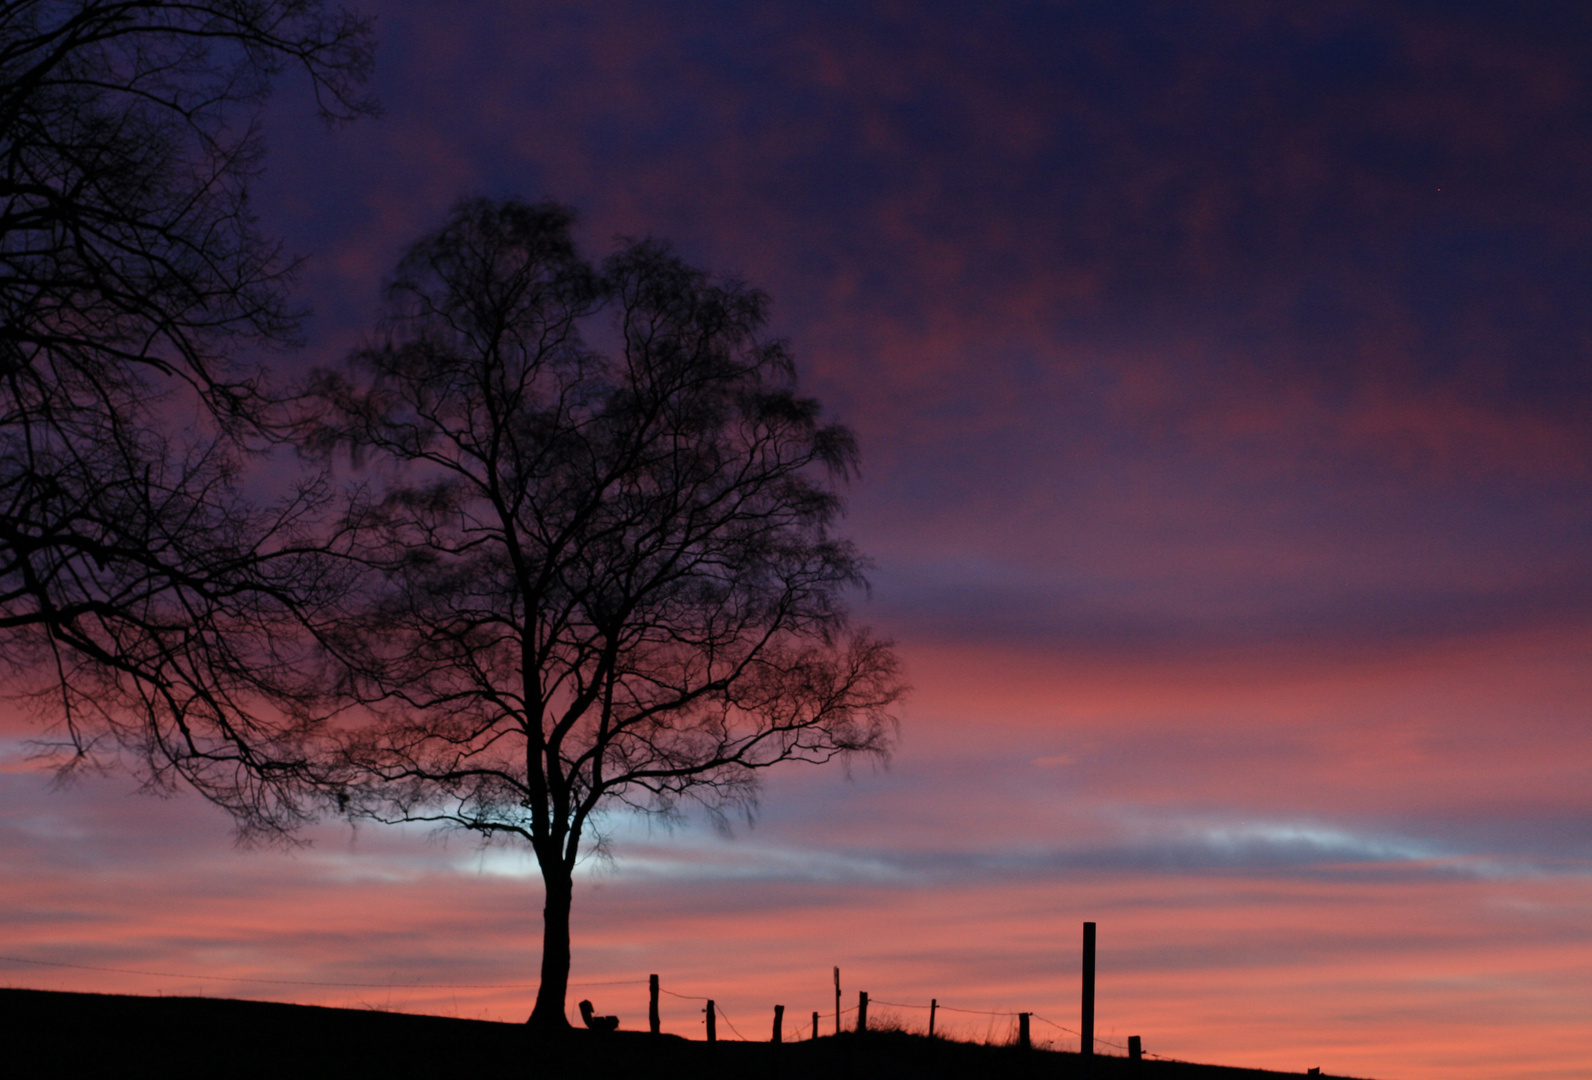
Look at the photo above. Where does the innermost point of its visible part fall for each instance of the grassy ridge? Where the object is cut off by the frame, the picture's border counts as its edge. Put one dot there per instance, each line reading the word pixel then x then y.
pixel 52 1034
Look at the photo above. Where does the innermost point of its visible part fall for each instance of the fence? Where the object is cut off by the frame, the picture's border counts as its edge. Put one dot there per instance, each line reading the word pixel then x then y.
pixel 720 1014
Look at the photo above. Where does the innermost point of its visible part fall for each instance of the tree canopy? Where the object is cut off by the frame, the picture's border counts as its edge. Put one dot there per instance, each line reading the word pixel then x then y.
pixel 140 593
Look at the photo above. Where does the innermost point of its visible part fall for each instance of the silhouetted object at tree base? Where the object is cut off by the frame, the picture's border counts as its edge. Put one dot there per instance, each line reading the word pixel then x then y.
pixel 70 1035
pixel 597 1023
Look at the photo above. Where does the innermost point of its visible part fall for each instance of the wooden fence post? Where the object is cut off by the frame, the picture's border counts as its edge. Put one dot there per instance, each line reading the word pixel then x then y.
pixel 934 1007
pixel 779 1022
pixel 1086 1037
pixel 652 1009
pixel 862 1010
pixel 1135 1048
pixel 837 1001
pixel 713 1030
pixel 1022 1031
pixel 815 1024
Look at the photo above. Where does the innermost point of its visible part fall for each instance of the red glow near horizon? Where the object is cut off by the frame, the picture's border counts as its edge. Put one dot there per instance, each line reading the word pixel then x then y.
pixel 962 873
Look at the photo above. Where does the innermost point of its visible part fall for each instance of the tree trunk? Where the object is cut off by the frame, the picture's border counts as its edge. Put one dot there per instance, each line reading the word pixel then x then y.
pixel 548 1015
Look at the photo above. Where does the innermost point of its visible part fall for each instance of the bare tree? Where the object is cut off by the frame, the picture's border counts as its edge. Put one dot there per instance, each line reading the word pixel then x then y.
pixel 609 579
pixel 140 594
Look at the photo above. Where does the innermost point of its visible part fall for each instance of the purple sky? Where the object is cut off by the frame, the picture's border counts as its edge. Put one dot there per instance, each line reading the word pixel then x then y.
pixel 1222 374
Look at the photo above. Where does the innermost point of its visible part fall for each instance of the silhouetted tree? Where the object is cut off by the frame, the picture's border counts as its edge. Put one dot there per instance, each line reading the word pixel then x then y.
pixel 139 592
pixel 608 575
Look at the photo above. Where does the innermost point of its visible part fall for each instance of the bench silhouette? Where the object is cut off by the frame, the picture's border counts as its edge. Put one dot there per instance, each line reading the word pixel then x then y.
pixel 598 1023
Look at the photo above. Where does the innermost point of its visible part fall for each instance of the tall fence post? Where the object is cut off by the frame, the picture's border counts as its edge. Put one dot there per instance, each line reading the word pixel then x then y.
pixel 1022 1031
pixel 934 1007
pixel 815 1024
pixel 652 1009
pixel 713 1029
pixel 1086 1035
pixel 862 1010
pixel 1135 1048
pixel 837 1001
pixel 779 1022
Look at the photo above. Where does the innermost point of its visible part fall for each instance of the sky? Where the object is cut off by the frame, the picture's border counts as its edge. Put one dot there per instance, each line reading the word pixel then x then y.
pixel 1223 375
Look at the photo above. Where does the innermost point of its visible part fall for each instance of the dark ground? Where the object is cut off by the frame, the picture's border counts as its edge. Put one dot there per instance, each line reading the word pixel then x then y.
pixel 48 1034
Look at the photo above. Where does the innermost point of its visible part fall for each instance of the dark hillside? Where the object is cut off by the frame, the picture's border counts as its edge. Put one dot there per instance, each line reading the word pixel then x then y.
pixel 50 1034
